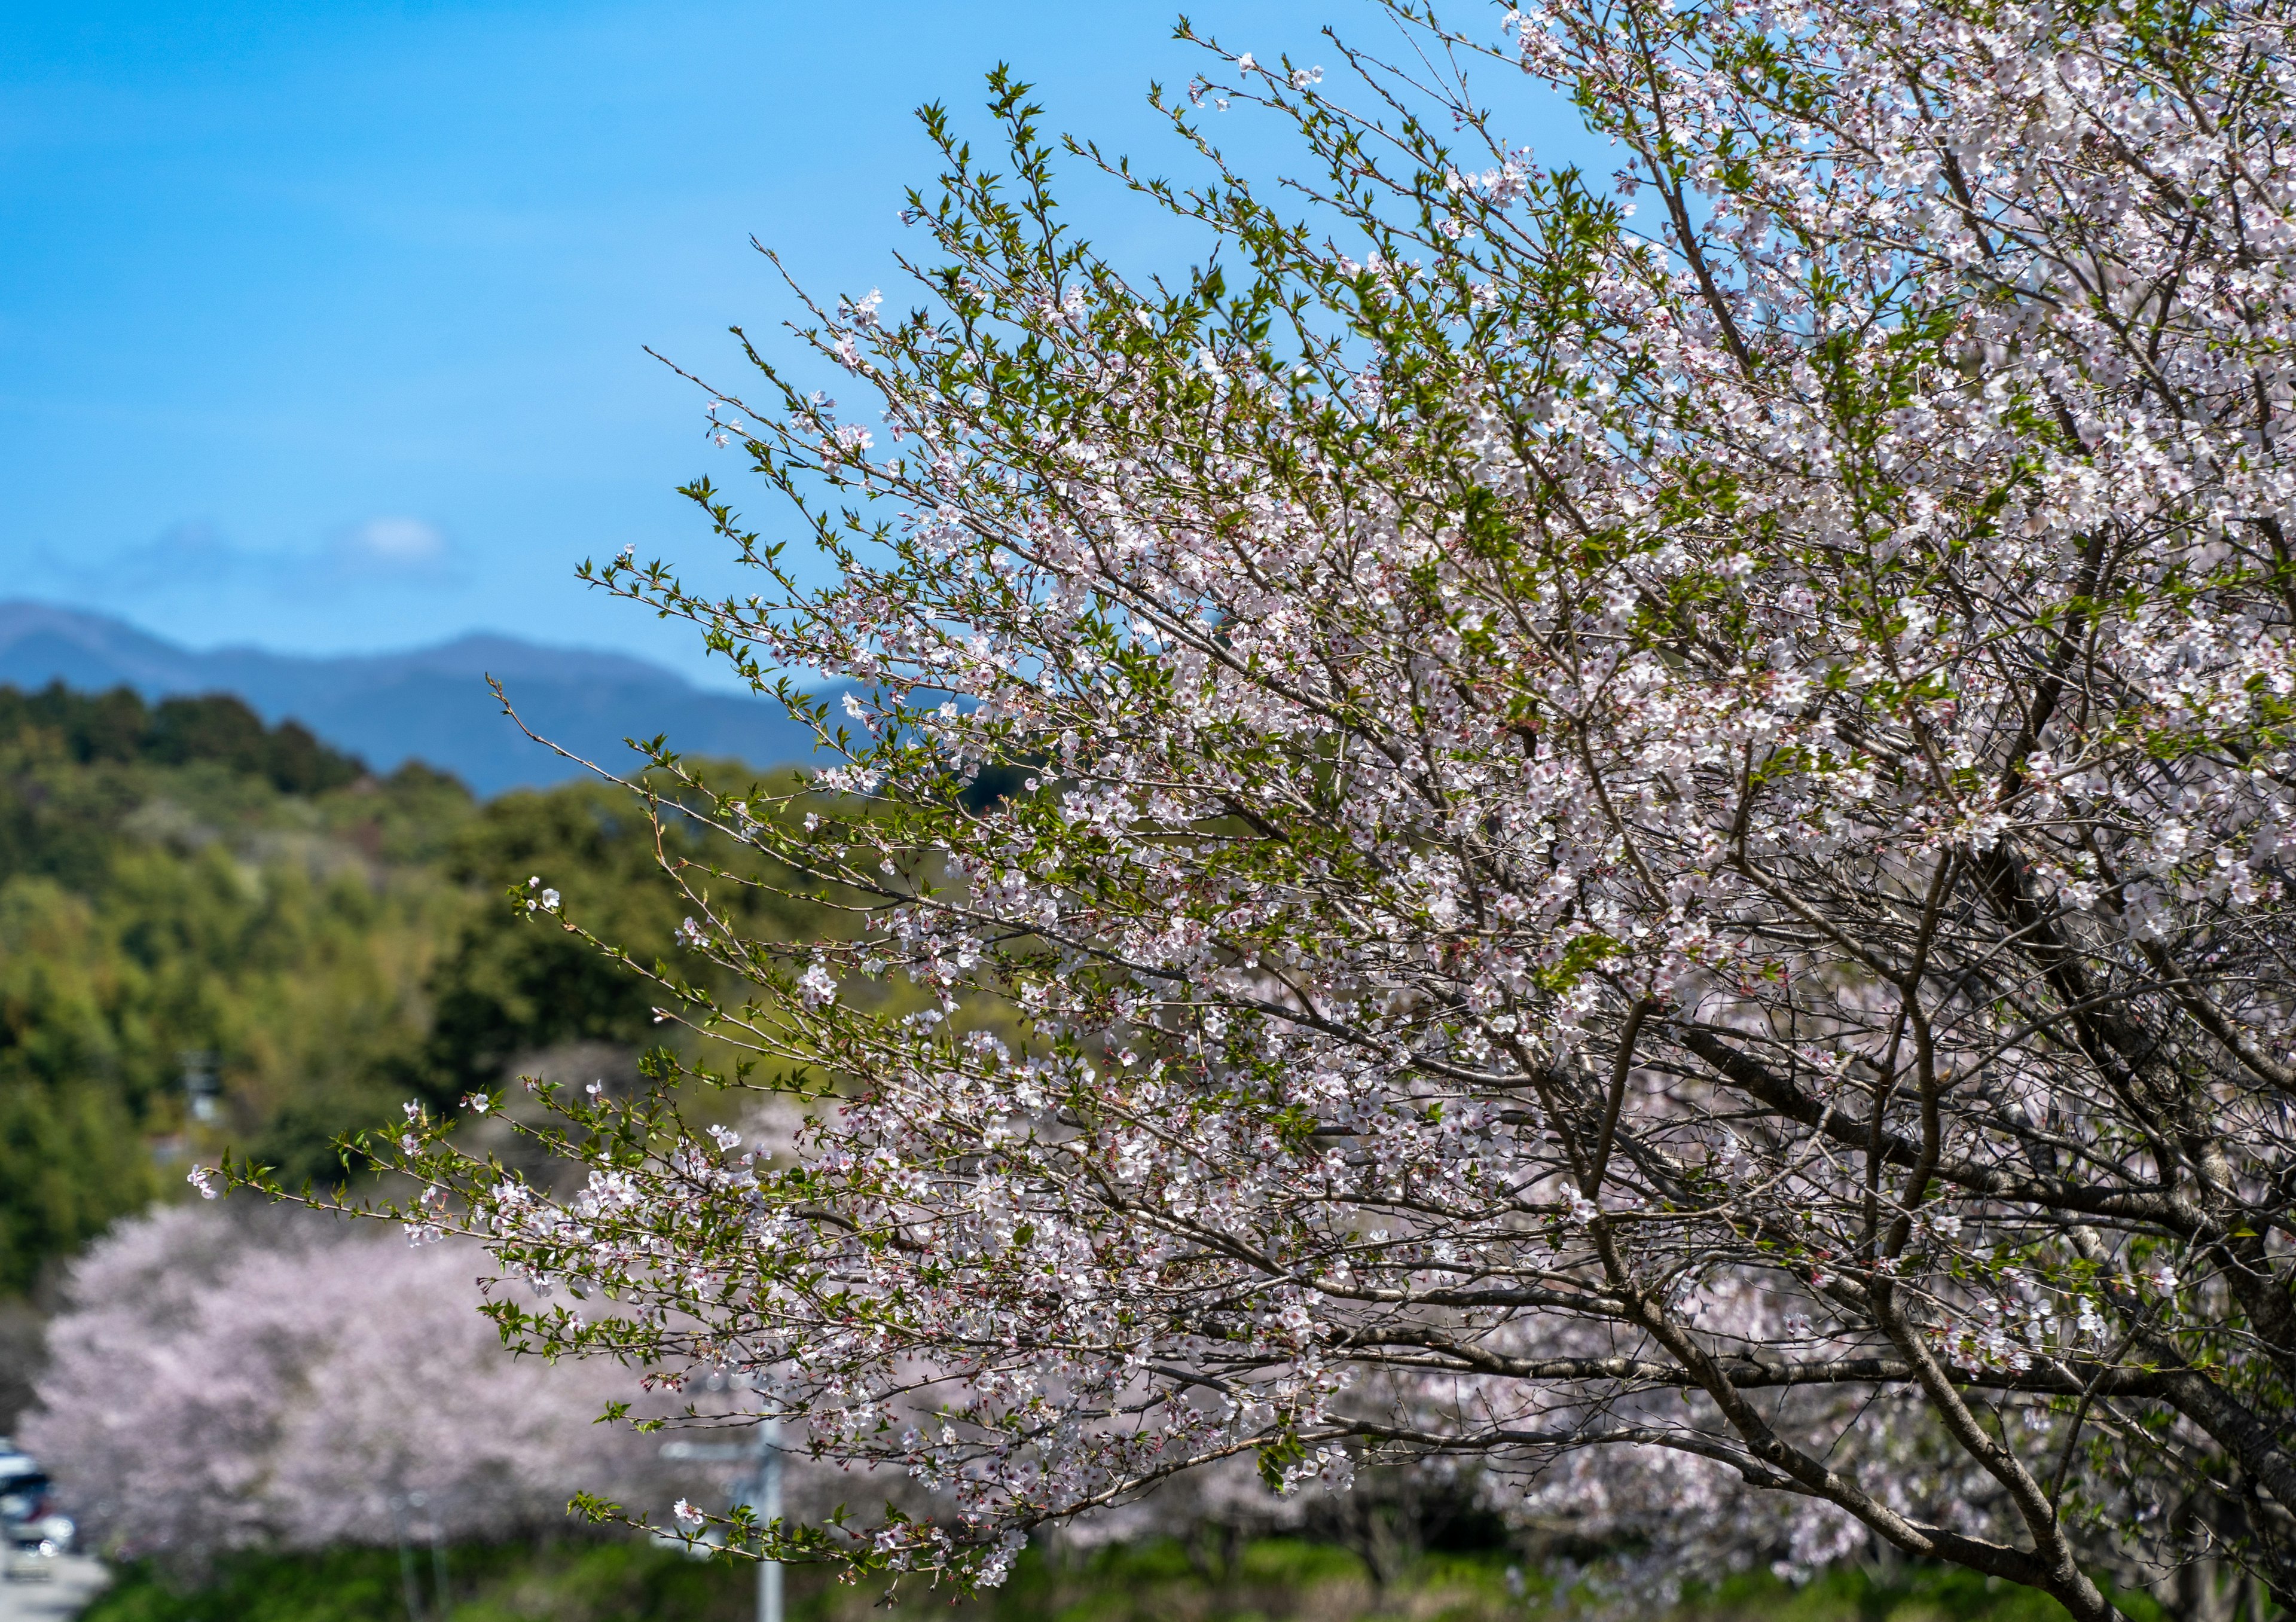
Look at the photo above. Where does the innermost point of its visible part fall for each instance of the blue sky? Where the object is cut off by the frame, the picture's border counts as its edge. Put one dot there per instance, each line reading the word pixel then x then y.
pixel 321 324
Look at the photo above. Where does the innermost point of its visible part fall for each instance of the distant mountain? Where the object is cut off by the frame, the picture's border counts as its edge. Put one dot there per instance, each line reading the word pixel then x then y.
pixel 431 704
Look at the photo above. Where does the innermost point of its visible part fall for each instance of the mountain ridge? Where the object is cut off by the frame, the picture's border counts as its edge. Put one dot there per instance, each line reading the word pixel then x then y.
pixel 430 704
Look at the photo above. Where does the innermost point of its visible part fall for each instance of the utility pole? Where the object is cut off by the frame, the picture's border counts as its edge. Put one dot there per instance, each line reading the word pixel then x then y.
pixel 759 1491
pixel 762 1492
pixel 411 1590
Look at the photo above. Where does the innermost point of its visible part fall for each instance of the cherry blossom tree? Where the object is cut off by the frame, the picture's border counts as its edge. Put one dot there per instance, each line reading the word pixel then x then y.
pixel 218 1384
pixel 1642 823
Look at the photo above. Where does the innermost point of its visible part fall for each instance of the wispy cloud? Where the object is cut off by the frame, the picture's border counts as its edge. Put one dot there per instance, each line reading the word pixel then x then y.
pixel 389 547
pixel 190 554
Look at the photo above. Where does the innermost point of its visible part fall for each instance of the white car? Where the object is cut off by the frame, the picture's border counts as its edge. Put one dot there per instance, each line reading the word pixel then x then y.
pixel 32 1533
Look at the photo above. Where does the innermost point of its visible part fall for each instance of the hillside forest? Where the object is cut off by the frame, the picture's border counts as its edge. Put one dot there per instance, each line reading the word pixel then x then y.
pixel 217 933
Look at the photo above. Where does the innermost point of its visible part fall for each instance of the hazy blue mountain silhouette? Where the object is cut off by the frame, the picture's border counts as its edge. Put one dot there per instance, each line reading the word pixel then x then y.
pixel 431 704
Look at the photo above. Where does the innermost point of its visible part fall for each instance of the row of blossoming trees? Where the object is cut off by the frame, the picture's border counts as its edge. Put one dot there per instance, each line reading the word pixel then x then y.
pixel 1648 823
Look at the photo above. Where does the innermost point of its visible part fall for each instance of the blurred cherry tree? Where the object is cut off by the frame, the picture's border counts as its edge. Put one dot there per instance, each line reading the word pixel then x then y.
pixel 219 1380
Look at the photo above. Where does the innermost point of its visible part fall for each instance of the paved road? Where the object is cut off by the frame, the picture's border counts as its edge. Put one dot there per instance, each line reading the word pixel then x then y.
pixel 75 1582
